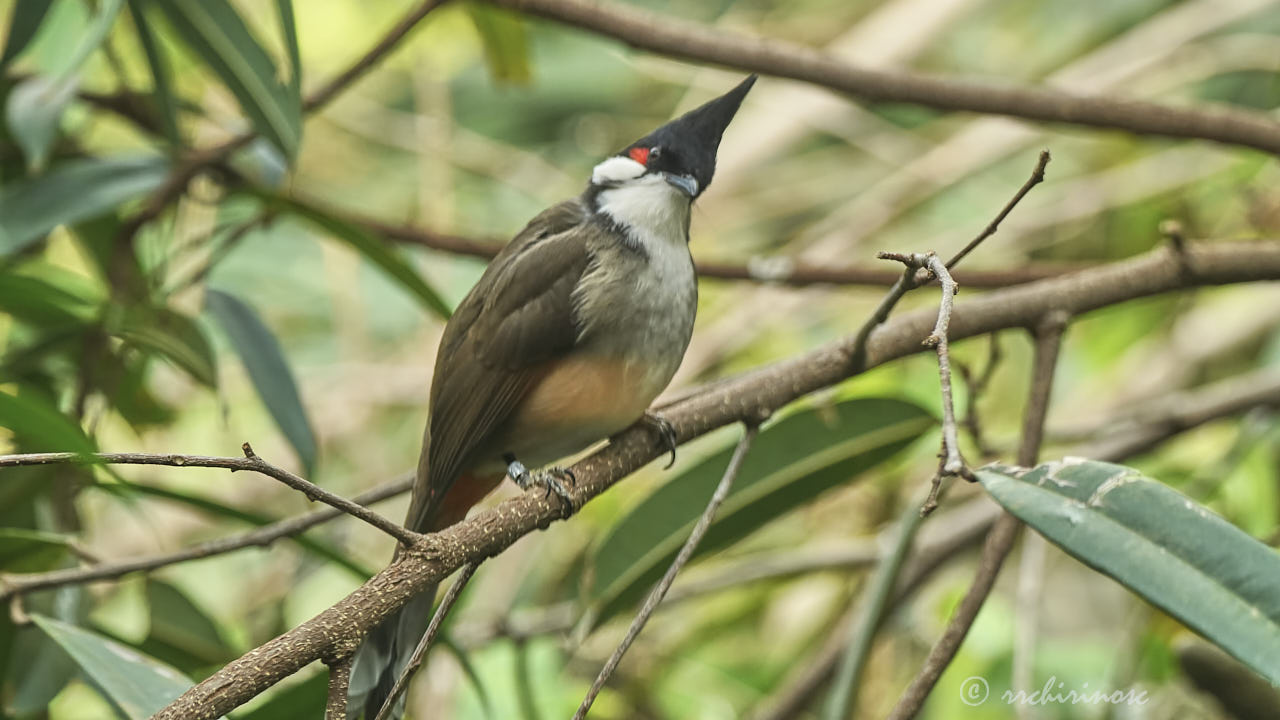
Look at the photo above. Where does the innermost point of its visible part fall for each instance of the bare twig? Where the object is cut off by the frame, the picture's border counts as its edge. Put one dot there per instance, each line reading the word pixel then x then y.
pixel 1037 177
pixel 669 36
pixel 686 552
pixel 749 395
pixel 335 705
pixel 250 461
pixel 951 463
pixel 1000 540
pixel 428 637
pixel 322 95
pixel 976 387
pixel 259 537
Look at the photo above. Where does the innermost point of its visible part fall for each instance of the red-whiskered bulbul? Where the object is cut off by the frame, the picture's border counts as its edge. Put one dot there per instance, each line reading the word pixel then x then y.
pixel 572 331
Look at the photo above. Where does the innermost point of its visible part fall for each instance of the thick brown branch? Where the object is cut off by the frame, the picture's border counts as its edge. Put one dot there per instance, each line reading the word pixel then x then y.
pixel 669 36
pixel 249 462
pixel 259 537
pixel 748 396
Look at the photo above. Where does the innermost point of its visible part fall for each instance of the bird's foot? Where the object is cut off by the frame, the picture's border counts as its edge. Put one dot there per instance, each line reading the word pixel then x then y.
pixel 664 430
pixel 551 477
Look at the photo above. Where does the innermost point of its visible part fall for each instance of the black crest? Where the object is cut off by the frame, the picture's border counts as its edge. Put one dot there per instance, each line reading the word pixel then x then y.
pixel 689 143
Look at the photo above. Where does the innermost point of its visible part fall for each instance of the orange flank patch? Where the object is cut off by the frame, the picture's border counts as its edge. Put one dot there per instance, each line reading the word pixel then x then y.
pixel 468 490
pixel 586 391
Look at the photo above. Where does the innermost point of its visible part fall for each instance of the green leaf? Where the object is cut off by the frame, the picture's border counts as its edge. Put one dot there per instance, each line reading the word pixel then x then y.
pixel 791 463
pixel 505 41
pixel 181 634
pixel 41 304
pixel 173 336
pixel 137 685
pixel 374 250
pixel 220 37
pixel 24 21
pixel 1173 552
pixel 40 425
pixel 161 78
pixel 35 107
pixel 71 192
pixel 264 360
pixel 289 28
pixel 25 551
pixel 298 701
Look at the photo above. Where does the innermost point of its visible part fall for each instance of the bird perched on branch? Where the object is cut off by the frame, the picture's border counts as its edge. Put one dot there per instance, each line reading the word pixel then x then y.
pixel 572 331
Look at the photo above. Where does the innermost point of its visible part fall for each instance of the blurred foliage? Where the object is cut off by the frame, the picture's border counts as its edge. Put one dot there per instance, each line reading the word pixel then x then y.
pixel 256 306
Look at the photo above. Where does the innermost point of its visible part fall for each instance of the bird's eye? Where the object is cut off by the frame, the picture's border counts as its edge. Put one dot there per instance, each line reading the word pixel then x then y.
pixel 655 153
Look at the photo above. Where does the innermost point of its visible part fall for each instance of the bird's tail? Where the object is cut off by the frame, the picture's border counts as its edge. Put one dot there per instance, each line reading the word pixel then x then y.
pixel 384 654
pixel 386 650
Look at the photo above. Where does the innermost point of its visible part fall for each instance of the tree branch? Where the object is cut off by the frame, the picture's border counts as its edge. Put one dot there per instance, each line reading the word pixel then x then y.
pixel 676 38
pixel 335 705
pixel 250 462
pixel 747 396
pixel 260 537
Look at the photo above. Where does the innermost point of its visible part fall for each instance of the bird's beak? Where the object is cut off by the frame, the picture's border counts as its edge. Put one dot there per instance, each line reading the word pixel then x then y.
pixel 685 183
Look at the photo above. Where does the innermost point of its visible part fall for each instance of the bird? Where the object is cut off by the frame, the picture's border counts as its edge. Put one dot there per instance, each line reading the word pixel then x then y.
pixel 574 328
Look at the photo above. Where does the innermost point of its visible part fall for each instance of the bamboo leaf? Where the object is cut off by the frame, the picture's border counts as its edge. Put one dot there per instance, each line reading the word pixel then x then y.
pixel 264 360
pixel 173 336
pixel 71 192
pixel 137 685
pixel 505 41
pixel 216 33
pixel 41 426
pixel 25 551
pixel 34 110
pixel 1160 544
pixel 792 462
pixel 161 77
pixel 24 22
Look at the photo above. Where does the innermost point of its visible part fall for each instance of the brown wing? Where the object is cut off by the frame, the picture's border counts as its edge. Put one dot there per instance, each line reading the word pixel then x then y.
pixel 518 317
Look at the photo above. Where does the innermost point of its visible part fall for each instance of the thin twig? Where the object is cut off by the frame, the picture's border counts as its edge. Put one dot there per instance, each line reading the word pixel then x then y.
pixel 916 274
pixel 972 420
pixel 1000 540
pixel 259 537
pixel 686 552
pixel 428 637
pixel 1037 177
pixel 335 705
pixel 250 461
pixel 322 95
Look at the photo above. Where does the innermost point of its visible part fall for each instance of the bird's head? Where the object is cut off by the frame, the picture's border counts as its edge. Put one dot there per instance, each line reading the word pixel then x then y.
pixel 681 153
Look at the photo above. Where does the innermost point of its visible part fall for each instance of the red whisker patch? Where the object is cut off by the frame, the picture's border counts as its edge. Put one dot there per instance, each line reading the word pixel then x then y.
pixel 639 154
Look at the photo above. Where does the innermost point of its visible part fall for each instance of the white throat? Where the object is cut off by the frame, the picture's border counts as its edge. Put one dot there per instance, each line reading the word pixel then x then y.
pixel 650 208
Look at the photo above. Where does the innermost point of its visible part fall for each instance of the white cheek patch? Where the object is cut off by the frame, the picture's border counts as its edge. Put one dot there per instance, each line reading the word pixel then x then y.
pixel 615 170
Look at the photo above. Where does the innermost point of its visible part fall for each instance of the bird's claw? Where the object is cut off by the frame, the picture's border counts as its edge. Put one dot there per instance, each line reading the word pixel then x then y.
pixel 665 431
pixel 550 477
